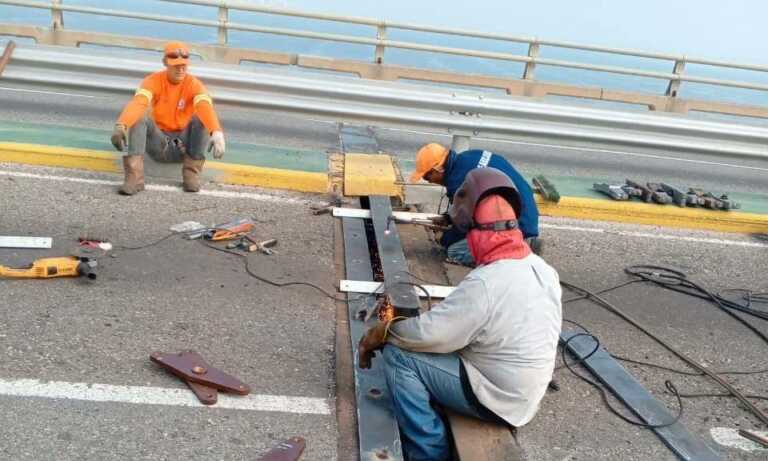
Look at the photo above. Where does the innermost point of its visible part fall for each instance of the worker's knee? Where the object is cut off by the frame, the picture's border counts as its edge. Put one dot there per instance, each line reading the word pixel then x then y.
pixel 393 356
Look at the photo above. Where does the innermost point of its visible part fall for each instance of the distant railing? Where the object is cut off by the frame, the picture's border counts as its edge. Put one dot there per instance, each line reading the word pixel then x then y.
pixel 381 43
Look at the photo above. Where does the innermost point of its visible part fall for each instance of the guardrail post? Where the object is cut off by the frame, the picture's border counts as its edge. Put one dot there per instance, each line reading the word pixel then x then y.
pixel 57 16
pixel 530 66
pixel 674 85
pixel 223 19
pixel 381 34
pixel 460 143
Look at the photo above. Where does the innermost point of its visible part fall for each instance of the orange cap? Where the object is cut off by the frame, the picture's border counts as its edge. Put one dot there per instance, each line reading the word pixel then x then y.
pixel 429 156
pixel 176 53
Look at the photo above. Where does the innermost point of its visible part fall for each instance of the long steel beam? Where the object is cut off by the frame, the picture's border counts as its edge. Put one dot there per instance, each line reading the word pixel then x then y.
pixel 628 390
pixel 378 433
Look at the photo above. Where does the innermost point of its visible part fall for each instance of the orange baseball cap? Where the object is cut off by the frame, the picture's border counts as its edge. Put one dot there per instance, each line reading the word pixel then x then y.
pixel 176 53
pixel 429 156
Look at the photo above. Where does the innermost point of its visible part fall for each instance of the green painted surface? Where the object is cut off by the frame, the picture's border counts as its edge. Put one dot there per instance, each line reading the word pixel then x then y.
pixel 238 153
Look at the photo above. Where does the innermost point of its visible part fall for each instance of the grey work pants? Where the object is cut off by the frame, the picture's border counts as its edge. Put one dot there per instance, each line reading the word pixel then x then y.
pixel 168 146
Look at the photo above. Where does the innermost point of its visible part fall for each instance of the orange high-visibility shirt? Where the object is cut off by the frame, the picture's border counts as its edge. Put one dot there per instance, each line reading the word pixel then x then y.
pixel 172 105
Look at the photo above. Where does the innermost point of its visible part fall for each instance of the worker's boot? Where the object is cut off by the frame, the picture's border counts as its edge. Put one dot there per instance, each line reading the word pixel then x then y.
pixel 190 174
pixel 133 166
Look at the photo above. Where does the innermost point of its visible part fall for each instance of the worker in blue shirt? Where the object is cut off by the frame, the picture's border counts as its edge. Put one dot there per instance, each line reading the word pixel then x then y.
pixel 438 165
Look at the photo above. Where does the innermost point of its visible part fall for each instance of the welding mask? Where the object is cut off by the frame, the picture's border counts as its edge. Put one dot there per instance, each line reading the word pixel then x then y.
pixel 478 184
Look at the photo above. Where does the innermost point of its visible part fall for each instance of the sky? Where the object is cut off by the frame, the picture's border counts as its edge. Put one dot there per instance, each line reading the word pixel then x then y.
pixel 723 29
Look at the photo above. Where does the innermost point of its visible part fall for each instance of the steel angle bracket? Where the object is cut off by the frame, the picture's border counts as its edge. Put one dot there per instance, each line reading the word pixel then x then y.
pixel 378 432
pixel 393 264
pixel 686 445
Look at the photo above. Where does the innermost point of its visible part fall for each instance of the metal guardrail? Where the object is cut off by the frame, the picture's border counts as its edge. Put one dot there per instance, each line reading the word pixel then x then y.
pixel 396 104
pixel 381 43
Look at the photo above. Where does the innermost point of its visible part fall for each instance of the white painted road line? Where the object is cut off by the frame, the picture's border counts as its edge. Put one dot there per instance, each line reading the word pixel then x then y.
pixel 730 438
pixel 597 230
pixel 159 396
pixel 281 199
pixel 22 90
pixel 160 187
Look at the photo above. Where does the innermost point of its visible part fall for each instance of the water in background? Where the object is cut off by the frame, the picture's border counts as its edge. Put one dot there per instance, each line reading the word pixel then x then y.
pixel 125 26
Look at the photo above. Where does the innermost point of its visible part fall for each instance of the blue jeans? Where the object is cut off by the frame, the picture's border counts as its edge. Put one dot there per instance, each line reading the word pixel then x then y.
pixel 417 380
pixel 459 253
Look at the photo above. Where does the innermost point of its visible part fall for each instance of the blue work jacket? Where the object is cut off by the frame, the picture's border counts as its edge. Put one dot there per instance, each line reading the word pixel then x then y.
pixel 456 168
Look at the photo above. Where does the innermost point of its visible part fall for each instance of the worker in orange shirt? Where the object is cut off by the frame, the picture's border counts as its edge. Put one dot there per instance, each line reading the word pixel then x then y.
pixel 180 126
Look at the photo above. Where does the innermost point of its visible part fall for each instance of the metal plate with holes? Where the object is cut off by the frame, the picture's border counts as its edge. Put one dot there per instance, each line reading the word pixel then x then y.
pixel 25 242
pixel 393 262
pixel 377 429
pixel 628 390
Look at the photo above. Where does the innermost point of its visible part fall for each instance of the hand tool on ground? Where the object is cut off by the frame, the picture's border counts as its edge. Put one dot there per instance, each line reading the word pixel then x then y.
pixel 544 187
pixel 204 380
pixel 289 450
pixel 45 268
pixel 613 191
pixel 263 246
pixel 229 230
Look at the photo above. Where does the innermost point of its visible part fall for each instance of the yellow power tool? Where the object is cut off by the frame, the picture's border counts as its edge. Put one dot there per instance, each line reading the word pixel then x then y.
pixel 45 268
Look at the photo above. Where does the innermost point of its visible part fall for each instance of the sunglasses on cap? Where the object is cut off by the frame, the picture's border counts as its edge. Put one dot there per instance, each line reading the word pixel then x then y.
pixel 177 54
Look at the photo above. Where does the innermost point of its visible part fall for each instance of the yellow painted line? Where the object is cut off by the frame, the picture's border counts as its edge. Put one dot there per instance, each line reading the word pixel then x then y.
pixel 95 160
pixel 64 157
pixel 656 215
pixel 275 178
pixel 369 174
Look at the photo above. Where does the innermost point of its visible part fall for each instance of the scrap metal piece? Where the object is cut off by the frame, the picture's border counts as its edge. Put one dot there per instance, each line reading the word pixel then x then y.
pixel 679 197
pixel 658 194
pixel 628 390
pixel 642 191
pixel 377 428
pixel 613 191
pixel 289 450
pixel 547 190
pixel 393 262
pixel 203 379
pixel 6 57
pixel 754 437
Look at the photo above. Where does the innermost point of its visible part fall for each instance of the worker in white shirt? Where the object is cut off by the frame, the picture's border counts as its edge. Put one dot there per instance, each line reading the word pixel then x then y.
pixel 488 349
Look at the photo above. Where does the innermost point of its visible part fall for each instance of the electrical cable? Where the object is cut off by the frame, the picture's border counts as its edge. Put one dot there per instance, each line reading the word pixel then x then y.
pixel 618 312
pixel 678 281
pixel 273 283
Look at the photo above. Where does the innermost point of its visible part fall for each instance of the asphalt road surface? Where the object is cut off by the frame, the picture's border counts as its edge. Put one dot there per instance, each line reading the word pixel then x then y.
pixel 76 381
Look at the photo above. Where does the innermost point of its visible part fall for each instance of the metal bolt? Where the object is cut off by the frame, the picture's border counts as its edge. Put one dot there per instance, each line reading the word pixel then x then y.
pixel 198 370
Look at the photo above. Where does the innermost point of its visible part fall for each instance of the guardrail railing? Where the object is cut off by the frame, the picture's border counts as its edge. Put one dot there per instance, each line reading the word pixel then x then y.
pixel 380 43
pixel 396 104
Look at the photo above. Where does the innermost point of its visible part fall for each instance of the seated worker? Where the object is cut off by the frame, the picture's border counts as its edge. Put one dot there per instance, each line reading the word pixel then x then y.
pixel 488 349
pixel 436 164
pixel 179 127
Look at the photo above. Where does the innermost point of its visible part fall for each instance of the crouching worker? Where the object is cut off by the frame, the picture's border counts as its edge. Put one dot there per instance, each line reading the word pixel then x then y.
pixel 437 164
pixel 488 349
pixel 180 126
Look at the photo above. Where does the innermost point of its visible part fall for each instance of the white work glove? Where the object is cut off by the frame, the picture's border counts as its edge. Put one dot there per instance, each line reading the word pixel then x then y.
pixel 217 144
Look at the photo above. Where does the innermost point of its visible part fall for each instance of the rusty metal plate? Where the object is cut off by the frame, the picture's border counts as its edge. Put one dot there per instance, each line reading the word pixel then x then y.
pixel 289 450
